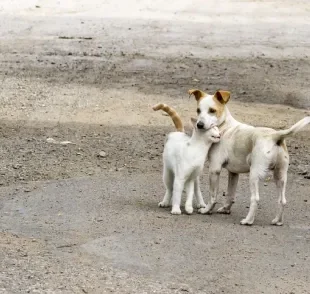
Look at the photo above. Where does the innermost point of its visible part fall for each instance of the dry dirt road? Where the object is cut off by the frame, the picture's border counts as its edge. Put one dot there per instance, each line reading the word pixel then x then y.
pixel 87 72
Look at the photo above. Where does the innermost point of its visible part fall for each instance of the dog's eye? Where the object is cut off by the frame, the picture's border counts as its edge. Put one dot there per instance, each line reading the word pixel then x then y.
pixel 212 110
pixel 198 110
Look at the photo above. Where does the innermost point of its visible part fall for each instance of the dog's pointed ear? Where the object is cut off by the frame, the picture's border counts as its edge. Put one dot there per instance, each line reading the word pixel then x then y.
pixel 222 96
pixel 194 122
pixel 197 93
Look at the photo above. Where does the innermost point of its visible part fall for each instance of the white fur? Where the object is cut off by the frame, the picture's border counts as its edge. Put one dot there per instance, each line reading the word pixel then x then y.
pixel 184 159
pixel 246 149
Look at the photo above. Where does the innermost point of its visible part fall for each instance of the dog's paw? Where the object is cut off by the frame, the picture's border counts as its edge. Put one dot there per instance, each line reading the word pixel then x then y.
pixel 205 210
pixel 223 210
pixel 277 222
pixel 176 210
pixel 201 205
pixel 163 204
pixel 246 222
pixel 189 209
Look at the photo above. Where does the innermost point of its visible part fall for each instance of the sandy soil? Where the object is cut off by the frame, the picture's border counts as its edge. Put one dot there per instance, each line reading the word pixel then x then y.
pixel 88 72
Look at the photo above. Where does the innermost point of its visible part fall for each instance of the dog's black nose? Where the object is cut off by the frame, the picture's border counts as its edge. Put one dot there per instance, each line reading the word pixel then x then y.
pixel 200 125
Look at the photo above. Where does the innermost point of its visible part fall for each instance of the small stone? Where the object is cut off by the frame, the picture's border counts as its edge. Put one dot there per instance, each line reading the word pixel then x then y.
pixel 102 154
pixel 303 173
pixel 50 140
pixel 185 289
pixel 65 142
pixel 184 66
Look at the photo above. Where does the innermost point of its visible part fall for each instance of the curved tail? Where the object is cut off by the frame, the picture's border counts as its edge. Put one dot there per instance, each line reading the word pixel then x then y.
pixel 279 136
pixel 172 113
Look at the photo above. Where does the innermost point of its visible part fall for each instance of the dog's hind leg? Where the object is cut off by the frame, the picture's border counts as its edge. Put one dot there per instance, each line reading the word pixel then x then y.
pixel 280 176
pixel 168 182
pixel 254 180
pixel 257 172
pixel 231 193
pixel 198 195
pixel 189 187
pixel 178 186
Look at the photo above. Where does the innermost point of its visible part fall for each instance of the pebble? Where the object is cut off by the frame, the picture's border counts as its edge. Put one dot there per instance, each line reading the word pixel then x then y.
pixel 102 154
pixel 50 140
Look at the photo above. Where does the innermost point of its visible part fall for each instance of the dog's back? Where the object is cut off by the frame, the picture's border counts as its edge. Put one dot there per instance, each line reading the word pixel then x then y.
pixel 174 150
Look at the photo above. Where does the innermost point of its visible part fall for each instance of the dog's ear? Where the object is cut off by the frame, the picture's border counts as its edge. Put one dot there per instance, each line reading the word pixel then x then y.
pixel 194 122
pixel 197 93
pixel 222 96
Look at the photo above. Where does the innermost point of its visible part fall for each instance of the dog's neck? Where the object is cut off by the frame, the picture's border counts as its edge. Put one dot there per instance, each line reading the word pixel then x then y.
pixel 227 121
pixel 200 140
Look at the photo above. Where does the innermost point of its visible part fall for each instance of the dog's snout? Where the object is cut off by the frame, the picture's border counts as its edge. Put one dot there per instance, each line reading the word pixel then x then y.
pixel 200 125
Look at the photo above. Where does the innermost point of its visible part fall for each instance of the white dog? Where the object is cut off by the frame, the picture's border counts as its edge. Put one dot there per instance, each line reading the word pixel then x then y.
pixel 184 159
pixel 243 149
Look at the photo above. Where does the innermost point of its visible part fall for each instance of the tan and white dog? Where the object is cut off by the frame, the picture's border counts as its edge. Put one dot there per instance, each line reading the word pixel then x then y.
pixel 243 149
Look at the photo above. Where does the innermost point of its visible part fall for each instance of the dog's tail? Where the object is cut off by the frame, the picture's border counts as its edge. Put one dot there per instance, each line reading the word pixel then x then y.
pixel 172 113
pixel 279 136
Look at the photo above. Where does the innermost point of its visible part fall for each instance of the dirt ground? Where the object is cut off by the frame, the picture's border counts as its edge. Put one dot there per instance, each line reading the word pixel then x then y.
pixel 80 79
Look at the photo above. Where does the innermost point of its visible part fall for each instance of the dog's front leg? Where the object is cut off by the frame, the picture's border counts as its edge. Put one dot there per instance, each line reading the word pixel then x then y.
pixel 231 193
pixel 214 187
pixel 178 186
pixel 198 195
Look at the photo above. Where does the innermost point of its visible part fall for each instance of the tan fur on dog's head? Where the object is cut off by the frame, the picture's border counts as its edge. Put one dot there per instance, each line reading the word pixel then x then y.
pixel 220 98
pixel 197 93
pixel 210 107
